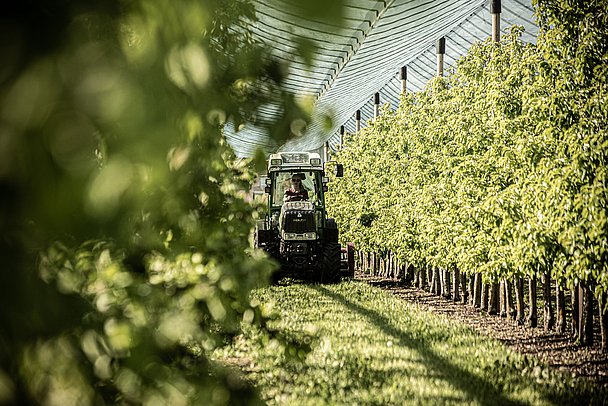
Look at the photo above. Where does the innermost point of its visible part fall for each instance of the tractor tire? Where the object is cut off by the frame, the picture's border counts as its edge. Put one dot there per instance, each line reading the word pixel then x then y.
pixel 330 267
pixel 330 234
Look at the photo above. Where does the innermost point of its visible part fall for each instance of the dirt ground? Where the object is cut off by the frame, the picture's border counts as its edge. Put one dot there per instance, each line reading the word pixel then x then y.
pixel 557 350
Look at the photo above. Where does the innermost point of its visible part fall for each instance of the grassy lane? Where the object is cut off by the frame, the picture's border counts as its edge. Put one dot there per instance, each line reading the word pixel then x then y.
pixel 368 347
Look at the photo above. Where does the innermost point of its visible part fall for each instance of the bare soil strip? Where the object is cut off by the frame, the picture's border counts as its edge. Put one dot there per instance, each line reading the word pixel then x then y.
pixel 556 350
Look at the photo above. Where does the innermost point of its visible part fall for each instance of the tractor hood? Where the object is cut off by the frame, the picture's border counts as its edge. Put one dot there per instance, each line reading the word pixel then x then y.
pixel 297 221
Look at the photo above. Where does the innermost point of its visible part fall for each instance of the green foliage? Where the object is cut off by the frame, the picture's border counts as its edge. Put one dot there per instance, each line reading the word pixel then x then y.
pixel 144 336
pixel 574 45
pixel 370 347
pixel 498 168
pixel 114 166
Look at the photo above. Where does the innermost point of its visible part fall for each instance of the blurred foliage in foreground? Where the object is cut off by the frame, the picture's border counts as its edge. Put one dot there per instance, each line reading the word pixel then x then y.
pixel 112 163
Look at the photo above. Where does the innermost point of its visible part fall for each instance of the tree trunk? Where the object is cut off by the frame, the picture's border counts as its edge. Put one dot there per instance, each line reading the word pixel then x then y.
pixel 511 312
pixel 464 282
pixel 422 278
pixel 471 289
pixel 388 263
pixel 447 285
pixel 576 306
pixel 519 296
pixel 477 291
pixel 411 271
pixel 533 309
pixel 603 311
pixel 589 304
pixel 437 276
pixel 398 269
pixel 407 273
pixel 364 262
pixel 502 298
pixel 560 305
pixel 361 263
pixel 456 285
pixel 549 317
pixel 493 298
pixel 375 264
pixel 436 284
pixel 485 293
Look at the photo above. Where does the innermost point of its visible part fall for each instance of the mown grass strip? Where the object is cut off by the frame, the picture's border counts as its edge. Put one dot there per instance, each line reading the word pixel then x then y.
pixel 368 347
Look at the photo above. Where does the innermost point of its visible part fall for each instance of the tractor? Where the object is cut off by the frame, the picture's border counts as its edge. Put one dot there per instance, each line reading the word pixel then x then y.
pixel 296 230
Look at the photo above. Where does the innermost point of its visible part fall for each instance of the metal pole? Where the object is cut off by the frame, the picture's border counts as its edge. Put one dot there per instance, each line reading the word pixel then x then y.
pixel 376 104
pixel 358 120
pixel 440 45
pixel 326 151
pixel 403 77
pixel 495 10
pixel 341 136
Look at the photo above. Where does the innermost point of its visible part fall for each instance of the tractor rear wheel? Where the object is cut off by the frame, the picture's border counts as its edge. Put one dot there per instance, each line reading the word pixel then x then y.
pixel 330 267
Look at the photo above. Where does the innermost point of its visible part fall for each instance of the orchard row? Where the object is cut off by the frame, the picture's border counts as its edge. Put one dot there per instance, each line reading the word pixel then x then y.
pixel 498 169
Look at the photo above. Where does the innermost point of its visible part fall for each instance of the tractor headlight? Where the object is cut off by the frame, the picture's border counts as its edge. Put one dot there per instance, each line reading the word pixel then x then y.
pixel 289 236
pixel 310 236
pixel 276 162
pixel 315 161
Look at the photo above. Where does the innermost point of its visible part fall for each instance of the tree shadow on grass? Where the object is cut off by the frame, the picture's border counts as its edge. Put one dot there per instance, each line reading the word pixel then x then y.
pixel 475 388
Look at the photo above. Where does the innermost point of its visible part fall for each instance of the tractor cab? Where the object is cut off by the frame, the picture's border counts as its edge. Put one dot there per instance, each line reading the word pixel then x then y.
pixel 296 177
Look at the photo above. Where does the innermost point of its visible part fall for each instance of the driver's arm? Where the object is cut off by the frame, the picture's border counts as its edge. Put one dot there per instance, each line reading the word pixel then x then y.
pixel 288 195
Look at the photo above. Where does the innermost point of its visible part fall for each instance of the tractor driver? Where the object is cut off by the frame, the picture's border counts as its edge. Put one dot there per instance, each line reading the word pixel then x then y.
pixel 296 191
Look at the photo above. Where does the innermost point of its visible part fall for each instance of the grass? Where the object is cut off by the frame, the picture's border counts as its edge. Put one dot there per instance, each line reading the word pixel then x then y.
pixel 351 343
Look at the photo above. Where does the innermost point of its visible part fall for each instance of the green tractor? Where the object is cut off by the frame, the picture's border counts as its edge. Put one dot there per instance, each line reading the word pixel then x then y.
pixel 296 230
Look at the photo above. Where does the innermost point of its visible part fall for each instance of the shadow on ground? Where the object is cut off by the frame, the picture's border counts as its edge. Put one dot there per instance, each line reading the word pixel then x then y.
pixel 475 388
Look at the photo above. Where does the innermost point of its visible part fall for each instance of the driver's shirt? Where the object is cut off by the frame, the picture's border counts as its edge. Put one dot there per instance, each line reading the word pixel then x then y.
pixel 291 194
